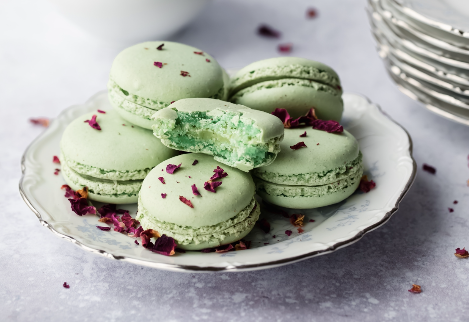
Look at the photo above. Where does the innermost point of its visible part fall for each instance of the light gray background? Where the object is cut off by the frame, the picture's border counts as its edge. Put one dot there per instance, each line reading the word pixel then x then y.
pixel 47 64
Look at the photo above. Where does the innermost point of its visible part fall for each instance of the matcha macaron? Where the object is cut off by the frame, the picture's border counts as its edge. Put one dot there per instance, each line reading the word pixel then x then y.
pixel 149 76
pixel 198 201
pixel 234 134
pixel 291 83
pixel 324 170
pixel 110 156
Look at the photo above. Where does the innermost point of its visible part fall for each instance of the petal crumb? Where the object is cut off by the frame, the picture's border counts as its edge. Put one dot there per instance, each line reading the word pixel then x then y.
pixel 288 233
pixel 65 285
pixel 455 202
pixel 199 53
pixel 164 245
pixel 461 253
pixel 212 185
pixel 240 246
pixel 185 74
pixel 136 242
pixel 428 168
pixel 300 230
pixel 103 228
pixel 195 162
pixel 171 168
pixel 195 191
pixel 40 121
pixel 416 289
pixel 285 48
pixel 303 135
pixel 81 207
pixel 158 64
pixel 312 220
pixel 101 111
pixel 160 47
pixel 93 123
pixel 311 13
pixel 224 248
pixel 288 122
pixel 366 185
pixel 186 201
pixel 207 60
pixel 56 172
pixel 328 126
pixel 450 209
pixel 162 180
pixel 264 225
pixel 163 195
pixel 219 174
pixel 297 146
pixel 267 31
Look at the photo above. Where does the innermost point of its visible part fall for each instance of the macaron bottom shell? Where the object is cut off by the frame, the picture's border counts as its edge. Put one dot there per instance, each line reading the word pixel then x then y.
pixel 307 197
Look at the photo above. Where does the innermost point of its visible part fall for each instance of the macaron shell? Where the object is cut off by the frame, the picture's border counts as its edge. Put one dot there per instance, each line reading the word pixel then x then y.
pixel 296 99
pixel 324 152
pixel 134 118
pixel 235 193
pixel 134 71
pixel 117 146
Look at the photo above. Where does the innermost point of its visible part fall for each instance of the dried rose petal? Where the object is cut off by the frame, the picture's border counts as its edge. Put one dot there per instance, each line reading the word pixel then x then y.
pixel 195 162
pixel 160 47
pixel 93 123
pixel 224 248
pixel 264 225
pixel 219 174
pixel 240 246
pixel 285 48
pixel 107 210
pixel 207 250
pixel 105 220
pixel 455 202
pixel 55 159
pixel 56 171
pixel 288 232
pixel 69 192
pixel 136 232
pixel 170 168
pixel 303 135
pixel 199 53
pixel 136 242
pixel 297 220
pixel 194 190
pixel 312 220
pixel 428 168
pixel 65 285
pixel 267 31
pixel 162 179
pixel 328 126
pixel 81 207
pixel 300 230
pixel 158 64
pixel 103 228
pixel 185 74
pixel 163 195
pixel 288 122
pixel 450 209
pixel 164 245
pixel 416 289
pixel 186 201
pixel 299 145
pixel 128 221
pixel 146 235
pixel 118 225
pixel 82 193
pixel 461 253
pixel 101 111
pixel 212 185
pixel 40 121
pixel 207 60
pixel 311 13
pixel 366 185
pixel 283 115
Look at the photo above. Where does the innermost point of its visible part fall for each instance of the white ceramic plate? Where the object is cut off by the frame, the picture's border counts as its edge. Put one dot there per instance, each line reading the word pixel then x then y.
pixel 387 151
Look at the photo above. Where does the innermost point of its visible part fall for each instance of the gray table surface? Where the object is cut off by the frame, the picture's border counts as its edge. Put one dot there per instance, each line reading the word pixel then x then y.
pixel 47 64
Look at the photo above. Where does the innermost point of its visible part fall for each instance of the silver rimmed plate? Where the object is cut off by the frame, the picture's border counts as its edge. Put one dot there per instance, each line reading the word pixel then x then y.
pixel 387 151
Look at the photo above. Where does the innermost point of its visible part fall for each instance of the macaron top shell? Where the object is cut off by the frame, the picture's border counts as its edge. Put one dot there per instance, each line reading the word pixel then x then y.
pixel 323 152
pixel 134 71
pixel 232 196
pixel 117 146
pixel 284 67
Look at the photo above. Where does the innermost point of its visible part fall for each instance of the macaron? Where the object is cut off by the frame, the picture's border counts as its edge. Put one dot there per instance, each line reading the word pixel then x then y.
pixel 199 202
pixel 149 76
pixel 234 134
pixel 291 83
pixel 110 156
pixel 326 170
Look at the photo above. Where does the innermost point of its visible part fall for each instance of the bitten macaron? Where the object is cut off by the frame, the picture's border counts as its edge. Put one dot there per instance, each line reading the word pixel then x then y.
pixel 312 170
pixel 110 156
pixel 149 76
pixel 291 83
pixel 198 201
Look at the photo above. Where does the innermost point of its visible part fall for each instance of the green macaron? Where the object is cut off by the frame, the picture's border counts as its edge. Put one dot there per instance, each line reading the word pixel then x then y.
pixel 325 172
pixel 113 161
pixel 235 135
pixel 295 84
pixel 197 211
pixel 149 76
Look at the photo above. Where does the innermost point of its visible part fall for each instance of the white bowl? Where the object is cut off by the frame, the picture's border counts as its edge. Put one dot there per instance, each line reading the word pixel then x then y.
pixel 130 20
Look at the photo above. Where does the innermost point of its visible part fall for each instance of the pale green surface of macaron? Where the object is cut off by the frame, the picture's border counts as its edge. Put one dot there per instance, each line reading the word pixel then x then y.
pixel 139 87
pixel 292 83
pixel 324 172
pixel 234 134
pixel 111 162
pixel 215 219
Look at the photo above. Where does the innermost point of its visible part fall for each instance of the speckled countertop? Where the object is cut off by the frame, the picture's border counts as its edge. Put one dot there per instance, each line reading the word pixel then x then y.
pixel 47 64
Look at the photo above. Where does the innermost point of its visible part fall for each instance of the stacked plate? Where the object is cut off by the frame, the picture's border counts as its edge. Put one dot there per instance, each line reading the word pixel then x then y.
pixel 425 47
